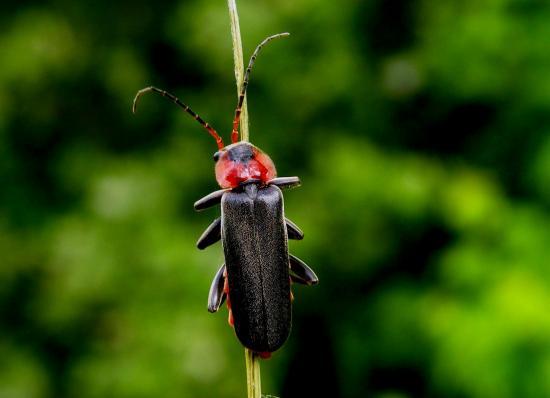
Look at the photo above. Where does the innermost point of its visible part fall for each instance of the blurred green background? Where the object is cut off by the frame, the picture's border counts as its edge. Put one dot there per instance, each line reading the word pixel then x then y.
pixel 420 130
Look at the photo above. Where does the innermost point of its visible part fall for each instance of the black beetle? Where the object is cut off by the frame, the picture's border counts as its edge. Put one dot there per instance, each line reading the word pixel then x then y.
pixel 258 269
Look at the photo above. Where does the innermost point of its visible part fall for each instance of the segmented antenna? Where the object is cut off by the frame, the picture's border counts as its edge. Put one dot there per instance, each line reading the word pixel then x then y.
pixel 236 121
pixel 176 101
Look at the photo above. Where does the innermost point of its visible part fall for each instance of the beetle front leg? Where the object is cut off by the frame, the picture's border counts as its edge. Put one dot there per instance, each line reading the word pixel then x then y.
pixel 301 273
pixel 211 235
pixel 293 231
pixel 285 182
pixel 216 296
pixel 210 200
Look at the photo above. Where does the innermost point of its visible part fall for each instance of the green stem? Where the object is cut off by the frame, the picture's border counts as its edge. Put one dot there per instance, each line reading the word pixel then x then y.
pixel 239 63
pixel 253 378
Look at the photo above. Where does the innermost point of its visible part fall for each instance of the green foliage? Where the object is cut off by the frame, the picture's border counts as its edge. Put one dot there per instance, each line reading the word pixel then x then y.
pixel 420 132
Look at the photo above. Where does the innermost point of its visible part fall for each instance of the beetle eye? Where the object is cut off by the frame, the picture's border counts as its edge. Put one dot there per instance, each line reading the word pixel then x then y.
pixel 217 156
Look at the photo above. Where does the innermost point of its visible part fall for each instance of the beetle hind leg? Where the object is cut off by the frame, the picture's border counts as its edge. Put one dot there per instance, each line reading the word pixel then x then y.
pixel 217 295
pixel 301 273
pixel 211 235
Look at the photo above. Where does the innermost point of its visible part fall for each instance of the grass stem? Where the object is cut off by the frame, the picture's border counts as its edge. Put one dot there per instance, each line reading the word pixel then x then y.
pixel 253 379
pixel 239 63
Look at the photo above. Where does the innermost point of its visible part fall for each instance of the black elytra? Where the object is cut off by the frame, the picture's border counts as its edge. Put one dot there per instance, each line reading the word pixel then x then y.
pixel 254 234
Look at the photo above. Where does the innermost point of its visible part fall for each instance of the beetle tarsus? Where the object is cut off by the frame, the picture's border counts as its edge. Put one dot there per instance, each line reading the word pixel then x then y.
pixel 210 200
pixel 301 273
pixel 293 231
pixel 285 182
pixel 211 235
pixel 216 296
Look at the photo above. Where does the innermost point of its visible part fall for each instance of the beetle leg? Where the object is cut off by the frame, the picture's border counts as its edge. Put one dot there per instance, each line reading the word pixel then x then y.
pixel 293 231
pixel 210 200
pixel 285 182
pixel 301 273
pixel 211 235
pixel 216 296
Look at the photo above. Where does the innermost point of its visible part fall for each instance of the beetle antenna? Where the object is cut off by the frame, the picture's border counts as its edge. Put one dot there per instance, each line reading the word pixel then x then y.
pixel 176 101
pixel 242 94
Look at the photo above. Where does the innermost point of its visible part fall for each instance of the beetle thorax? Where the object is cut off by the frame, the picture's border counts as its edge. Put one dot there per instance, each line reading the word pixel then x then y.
pixel 241 162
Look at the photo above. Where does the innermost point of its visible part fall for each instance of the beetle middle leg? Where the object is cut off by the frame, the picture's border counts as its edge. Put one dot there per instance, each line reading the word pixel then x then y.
pixel 300 272
pixel 211 235
pixel 217 295
pixel 293 231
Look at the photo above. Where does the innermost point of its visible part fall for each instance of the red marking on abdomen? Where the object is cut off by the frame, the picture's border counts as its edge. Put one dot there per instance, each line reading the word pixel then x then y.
pixel 230 319
pixel 264 355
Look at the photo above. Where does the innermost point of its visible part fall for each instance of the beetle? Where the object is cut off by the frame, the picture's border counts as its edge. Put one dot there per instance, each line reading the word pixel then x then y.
pixel 258 269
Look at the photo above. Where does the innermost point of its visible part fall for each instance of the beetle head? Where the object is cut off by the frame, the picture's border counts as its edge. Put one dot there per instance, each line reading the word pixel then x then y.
pixel 240 162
